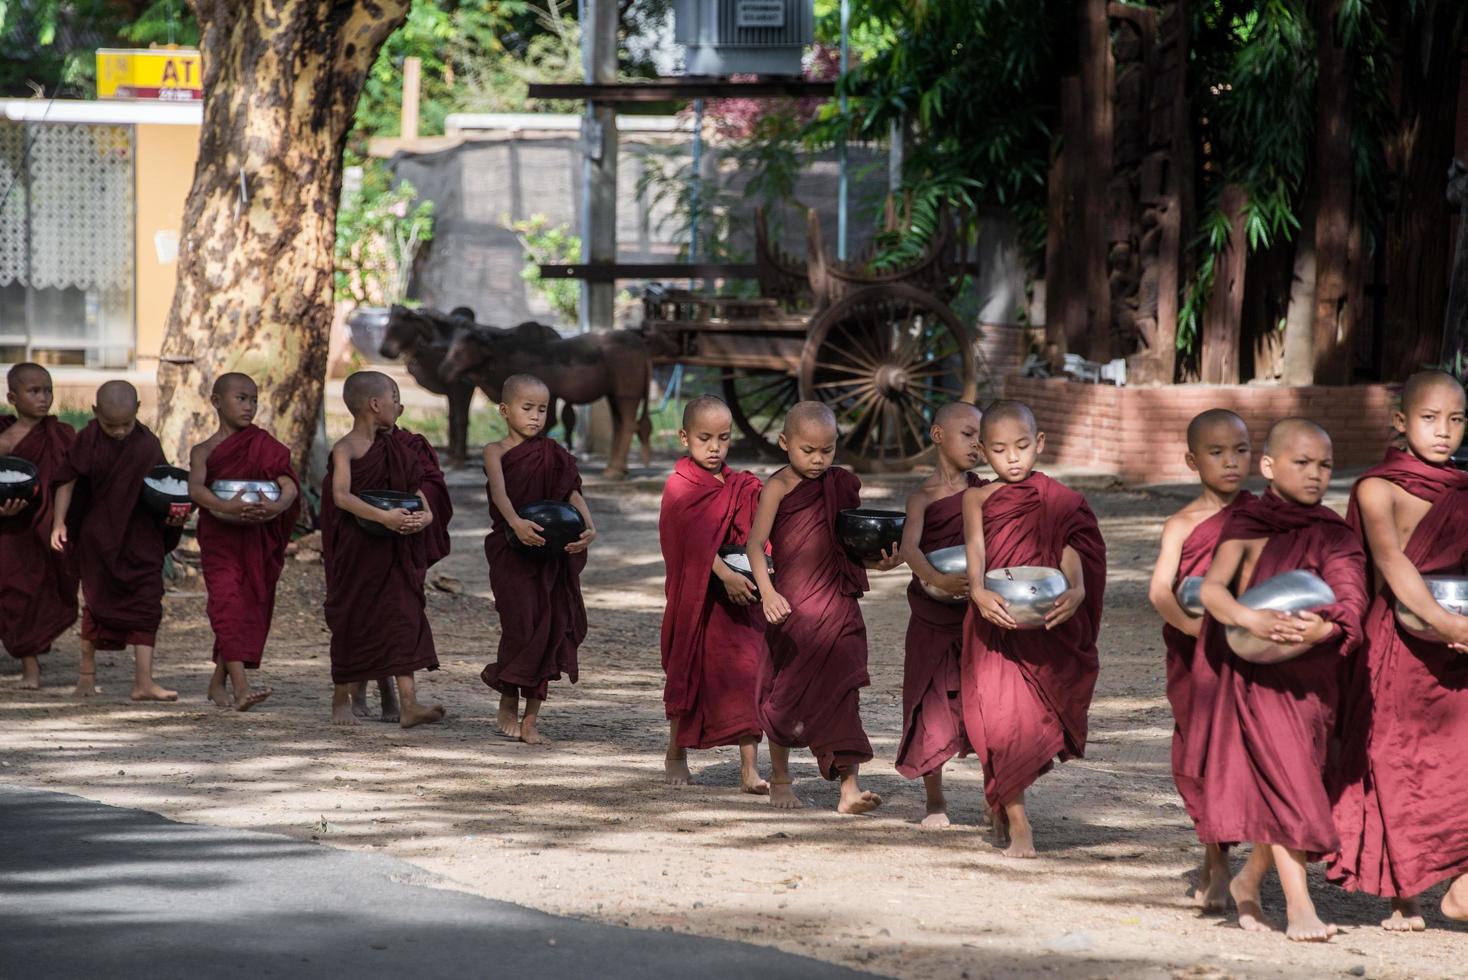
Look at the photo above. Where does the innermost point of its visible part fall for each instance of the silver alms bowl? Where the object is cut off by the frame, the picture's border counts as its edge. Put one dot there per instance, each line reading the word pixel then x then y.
pixel 1450 591
pixel 1190 595
pixel 255 491
pixel 947 561
pixel 1030 590
pixel 1290 592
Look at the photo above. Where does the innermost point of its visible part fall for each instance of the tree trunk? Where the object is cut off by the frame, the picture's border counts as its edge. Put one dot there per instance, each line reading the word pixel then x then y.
pixel 1335 316
pixel 254 294
pixel 1221 321
pixel 1065 296
pixel 1418 231
pixel 1097 93
pixel 1299 338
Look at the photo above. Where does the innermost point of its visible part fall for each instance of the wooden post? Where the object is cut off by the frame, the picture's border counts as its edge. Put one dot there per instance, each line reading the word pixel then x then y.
pixel 1220 360
pixel 412 82
pixel 599 166
pixel 1097 94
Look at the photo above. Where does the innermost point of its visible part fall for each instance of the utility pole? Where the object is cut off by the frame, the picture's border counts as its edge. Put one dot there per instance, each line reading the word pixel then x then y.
pixel 599 162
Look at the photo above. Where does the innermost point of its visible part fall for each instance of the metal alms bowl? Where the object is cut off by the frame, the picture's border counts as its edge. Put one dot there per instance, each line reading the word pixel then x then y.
pixel 1030 591
pixel 1450 591
pixel 947 561
pixel 1190 595
pixel 736 558
pixel 255 491
pixel 1289 592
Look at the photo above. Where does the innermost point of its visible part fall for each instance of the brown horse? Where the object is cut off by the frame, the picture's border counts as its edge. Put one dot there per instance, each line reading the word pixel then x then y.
pixel 607 364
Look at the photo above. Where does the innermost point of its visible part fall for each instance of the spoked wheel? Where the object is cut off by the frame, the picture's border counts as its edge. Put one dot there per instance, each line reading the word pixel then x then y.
pixel 758 400
pixel 885 359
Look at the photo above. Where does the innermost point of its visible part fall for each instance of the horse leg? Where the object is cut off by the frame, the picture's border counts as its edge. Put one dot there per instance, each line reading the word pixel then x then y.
pixel 459 396
pixel 624 418
pixel 568 421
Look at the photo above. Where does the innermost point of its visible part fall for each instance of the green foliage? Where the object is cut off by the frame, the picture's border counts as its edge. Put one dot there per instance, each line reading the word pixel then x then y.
pixel 545 243
pixel 51 45
pixel 379 230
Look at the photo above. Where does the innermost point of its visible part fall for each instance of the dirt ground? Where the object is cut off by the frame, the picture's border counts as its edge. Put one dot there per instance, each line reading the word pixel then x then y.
pixel 586 827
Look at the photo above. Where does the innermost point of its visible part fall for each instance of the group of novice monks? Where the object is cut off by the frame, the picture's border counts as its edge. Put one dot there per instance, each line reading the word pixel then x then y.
pixel 1342 744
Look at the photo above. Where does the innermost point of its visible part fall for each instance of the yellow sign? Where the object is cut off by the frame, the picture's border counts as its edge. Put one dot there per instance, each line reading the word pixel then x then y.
pixel 163 74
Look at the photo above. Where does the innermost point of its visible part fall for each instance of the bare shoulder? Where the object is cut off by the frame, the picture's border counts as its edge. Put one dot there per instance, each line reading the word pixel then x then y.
pixel 493 451
pixel 781 482
pixel 920 496
pixel 1376 495
pixel 983 493
pixel 1182 523
pixel 350 447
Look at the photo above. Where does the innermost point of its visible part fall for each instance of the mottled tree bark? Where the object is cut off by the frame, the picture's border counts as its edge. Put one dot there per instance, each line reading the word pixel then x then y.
pixel 1097 94
pixel 1335 315
pixel 1219 362
pixel 254 294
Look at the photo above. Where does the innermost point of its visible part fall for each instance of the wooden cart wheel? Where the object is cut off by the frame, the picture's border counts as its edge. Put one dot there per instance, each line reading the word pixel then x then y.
pixel 886 358
pixel 758 400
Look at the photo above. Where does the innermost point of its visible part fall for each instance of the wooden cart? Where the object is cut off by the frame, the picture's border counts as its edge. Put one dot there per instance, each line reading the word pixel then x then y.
pixel 882 348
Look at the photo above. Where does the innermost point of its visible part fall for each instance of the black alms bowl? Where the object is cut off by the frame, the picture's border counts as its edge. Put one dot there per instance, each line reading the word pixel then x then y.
pixel 155 499
pixel 866 532
pixel 738 559
pixel 560 525
pixel 387 500
pixel 22 490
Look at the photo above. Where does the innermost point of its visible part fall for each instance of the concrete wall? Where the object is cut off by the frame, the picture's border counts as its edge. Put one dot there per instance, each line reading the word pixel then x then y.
pixel 165 170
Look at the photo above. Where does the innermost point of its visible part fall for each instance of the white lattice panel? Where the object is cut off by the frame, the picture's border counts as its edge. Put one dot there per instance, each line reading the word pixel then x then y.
pixel 81 217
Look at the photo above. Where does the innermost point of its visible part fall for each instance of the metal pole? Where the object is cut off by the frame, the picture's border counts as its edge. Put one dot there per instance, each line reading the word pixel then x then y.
pixel 695 181
pixel 842 190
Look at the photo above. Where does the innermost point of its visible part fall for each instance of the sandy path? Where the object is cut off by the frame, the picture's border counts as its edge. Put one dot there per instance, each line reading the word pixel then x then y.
pixel 586 827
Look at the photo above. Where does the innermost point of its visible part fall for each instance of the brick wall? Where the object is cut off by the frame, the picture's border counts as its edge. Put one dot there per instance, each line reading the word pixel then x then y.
pixel 1138 434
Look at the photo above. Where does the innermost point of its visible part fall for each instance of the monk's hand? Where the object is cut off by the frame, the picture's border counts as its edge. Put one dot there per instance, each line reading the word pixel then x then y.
pixel 58 538
pixel 777 610
pixel 1273 627
pixel 12 507
pixel 582 542
pixel 528 532
pixel 1194 627
pixel 993 607
pixel 740 590
pixel 1314 628
pixel 396 520
pixel 888 561
pixel 954 585
pixel 1065 607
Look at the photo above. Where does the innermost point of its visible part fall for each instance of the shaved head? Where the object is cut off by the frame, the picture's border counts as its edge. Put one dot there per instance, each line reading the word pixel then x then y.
pixel 700 405
pixel 951 412
pixel 1007 410
pixel 1204 421
pixel 1286 431
pixel 227 381
pixel 516 384
pixel 16 376
pixel 362 387
pixel 117 399
pixel 1424 382
pixel 805 416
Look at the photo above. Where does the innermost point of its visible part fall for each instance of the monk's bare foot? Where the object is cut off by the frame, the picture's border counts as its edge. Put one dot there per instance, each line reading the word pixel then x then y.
pixel 751 783
pixel 1455 900
pixel 359 707
pixel 1211 894
pixel 152 692
pixel 1245 893
pixel 30 674
pixel 937 816
pixel 858 801
pixel 416 715
pixel 675 772
pixel 390 710
pixel 343 708
pixel 86 686
pixel 1021 843
pixel 219 697
pixel 252 698
pixel 507 721
pixel 1308 928
pixel 782 796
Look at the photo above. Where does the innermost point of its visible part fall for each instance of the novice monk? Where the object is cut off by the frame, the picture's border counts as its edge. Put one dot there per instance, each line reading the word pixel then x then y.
pixel 374 585
pixel 816 661
pixel 1027 693
pixel 932 714
pixel 537 595
pixel 242 561
pixel 713 633
pixel 1273 713
pixel 118 546
pixel 1218 451
pixel 1403 814
pixel 37 586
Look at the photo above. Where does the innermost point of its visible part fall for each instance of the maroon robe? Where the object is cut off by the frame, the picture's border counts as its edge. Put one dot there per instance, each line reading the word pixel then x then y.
pixel 374 585
pixel 1191 678
pixel 711 647
pixel 119 547
pixel 1027 693
pixel 537 597
pixel 1270 725
pixel 37 586
pixel 816 661
pixel 242 562
pixel 1402 812
pixel 932 713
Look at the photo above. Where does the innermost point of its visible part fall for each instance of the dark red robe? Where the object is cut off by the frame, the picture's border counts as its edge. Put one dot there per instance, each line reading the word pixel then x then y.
pixel 374 586
pixel 119 547
pixel 816 661
pixel 1191 678
pixel 711 647
pixel 242 562
pixel 37 586
pixel 537 597
pixel 1402 812
pixel 1027 693
pixel 1264 765
pixel 932 712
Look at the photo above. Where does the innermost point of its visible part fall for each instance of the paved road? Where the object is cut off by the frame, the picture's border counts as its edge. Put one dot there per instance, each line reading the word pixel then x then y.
pixel 91 891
